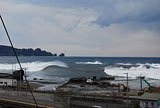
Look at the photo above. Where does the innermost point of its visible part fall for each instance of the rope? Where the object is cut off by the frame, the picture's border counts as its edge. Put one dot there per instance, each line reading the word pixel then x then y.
pixel 18 60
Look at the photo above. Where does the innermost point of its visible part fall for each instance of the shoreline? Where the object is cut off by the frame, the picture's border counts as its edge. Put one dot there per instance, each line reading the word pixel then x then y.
pixel 133 83
pixel 97 87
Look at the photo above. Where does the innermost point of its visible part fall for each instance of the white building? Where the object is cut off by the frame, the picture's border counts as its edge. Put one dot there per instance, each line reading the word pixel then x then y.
pixel 8 82
pixel 150 100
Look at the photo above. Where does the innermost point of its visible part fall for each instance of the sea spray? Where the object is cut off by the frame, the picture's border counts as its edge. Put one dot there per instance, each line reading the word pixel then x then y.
pixel 136 70
pixel 96 62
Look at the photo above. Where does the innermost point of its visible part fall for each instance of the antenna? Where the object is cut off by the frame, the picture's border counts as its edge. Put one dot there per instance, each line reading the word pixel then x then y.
pixel 18 60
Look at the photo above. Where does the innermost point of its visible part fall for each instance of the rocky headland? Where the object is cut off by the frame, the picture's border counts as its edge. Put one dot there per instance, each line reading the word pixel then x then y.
pixel 8 51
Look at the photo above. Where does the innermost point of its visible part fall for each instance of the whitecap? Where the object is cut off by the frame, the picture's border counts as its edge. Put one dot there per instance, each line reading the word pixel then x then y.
pixel 32 66
pixel 134 72
pixel 96 62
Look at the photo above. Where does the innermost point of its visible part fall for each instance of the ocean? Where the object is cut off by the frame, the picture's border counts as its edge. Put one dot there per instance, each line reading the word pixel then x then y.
pixel 61 68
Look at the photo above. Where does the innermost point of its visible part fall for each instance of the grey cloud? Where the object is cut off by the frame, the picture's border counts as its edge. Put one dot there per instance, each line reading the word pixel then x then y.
pixel 112 11
pixel 128 11
pixel 65 25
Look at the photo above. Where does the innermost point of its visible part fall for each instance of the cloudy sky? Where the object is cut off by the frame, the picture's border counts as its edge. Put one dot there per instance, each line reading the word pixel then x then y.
pixel 84 27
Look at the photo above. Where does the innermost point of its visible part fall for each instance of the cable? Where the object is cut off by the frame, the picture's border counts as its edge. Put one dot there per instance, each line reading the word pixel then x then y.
pixel 18 60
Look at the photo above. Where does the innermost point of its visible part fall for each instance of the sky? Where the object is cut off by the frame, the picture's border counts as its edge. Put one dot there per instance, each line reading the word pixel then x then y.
pixel 109 28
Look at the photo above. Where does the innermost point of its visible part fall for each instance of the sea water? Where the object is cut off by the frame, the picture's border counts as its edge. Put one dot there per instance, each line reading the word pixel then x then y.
pixel 61 68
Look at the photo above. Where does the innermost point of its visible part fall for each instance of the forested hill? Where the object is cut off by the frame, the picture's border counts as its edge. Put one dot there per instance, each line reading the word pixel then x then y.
pixel 8 51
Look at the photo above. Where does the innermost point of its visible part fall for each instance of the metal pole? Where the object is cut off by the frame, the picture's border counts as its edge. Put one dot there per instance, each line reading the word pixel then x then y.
pixel 127 90
pixel 68 102
pixel 20 83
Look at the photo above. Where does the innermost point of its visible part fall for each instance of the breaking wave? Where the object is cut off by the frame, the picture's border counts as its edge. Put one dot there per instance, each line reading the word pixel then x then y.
pixel 134 70
pixel 76 71
pixel 86 69
pixel 96 62
pixel 32 66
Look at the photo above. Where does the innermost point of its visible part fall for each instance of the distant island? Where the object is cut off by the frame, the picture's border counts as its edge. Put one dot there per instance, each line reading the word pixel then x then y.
pixel 8 51
pixel 61 55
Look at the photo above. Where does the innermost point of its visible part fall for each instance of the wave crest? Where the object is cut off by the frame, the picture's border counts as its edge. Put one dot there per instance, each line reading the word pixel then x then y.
pixel 96 62
pixel 147 70
pixel 32 66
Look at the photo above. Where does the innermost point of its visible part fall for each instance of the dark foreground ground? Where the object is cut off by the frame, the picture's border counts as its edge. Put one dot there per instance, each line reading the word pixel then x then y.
pixel 22 98
pixel 69 95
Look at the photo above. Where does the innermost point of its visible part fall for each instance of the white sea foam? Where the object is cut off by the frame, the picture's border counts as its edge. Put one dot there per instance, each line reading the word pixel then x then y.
pixel 141 70
pixel 6 66
pixel 32 66
pixel 156 66
pixel 124 63
pixel 96 62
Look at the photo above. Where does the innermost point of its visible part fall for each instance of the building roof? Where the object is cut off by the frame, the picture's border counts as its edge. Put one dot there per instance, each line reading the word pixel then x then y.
pixel 5 75
pixel 150 96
